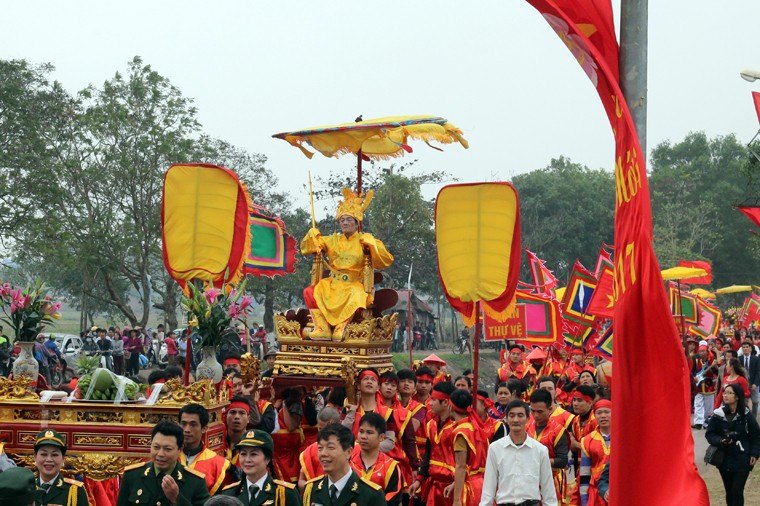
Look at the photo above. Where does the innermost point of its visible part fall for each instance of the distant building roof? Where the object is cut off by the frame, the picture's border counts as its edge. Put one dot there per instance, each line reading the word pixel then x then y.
pixel 418 304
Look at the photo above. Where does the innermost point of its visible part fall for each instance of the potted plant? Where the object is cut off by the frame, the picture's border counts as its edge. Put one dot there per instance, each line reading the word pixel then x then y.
pixel 212 311
pixel 27 311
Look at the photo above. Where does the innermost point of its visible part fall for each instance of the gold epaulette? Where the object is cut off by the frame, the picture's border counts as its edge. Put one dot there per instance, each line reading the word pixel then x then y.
pixel 74 482
pixel 134 466
pixel 371 484
pixel 196 473
pixel 286 484
pixel 315 479
pixel 233 485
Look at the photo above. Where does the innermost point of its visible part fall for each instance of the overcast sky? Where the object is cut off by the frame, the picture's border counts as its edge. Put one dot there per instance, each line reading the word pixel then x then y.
pixel 493 68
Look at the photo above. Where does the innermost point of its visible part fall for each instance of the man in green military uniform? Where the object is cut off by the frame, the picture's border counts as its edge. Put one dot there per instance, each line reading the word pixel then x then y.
pixel 52 487
pixel 340 486
pixel 17 487
pixel 163 481
pixel 258 488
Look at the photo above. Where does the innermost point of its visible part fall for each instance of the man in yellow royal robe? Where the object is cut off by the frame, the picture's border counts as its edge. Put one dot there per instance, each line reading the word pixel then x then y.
pixel 334 299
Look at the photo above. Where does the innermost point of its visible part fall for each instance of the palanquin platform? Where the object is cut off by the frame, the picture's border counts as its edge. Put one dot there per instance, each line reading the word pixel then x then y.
pixel 303 361
pixel 102 438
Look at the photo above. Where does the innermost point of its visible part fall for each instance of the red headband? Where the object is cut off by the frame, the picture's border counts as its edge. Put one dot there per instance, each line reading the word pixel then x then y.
pixel 388 379
pixel 460 410
pixel 602 404
pixel 231 361
pixel 582 396
pixel 486 401
pixel 440 396
pixel 368 371
pixel 241 405
pixel 515 348
pixel 425 377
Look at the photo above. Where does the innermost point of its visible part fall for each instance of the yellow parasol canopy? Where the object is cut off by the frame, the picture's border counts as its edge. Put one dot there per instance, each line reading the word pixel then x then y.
pixel 734 289
pixel 675 273
pixel 702 293
pixel 379 139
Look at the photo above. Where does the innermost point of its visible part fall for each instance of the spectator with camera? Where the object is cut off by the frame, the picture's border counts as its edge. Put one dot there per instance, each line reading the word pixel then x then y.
pixel 735 431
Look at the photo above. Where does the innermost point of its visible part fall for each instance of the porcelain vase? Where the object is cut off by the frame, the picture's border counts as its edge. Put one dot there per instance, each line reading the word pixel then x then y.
pixel 25 364
pixel 209 367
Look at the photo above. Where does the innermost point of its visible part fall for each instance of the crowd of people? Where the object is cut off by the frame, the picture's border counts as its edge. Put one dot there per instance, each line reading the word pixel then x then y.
pixel 410 437
pixel 725 375
pixel 414 436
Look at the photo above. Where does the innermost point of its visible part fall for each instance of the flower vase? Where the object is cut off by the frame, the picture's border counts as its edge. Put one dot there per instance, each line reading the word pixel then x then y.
pixel 209 367
pixel 26 364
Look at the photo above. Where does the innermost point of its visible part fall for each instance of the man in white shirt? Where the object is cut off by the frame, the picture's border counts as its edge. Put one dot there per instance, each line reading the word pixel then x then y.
pixel 518 472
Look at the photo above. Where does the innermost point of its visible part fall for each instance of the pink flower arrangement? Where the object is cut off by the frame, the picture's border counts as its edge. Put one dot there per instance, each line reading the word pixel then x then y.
pixel 215 310
pixel 27 311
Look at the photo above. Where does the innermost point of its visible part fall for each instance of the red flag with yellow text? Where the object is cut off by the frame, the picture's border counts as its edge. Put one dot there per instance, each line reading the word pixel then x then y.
pixel 642 454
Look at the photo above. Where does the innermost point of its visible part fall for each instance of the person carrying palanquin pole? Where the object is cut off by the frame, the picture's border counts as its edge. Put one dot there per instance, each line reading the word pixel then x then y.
pixel 352 257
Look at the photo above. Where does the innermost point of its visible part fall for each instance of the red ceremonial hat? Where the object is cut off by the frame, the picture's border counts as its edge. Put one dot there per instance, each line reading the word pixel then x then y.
pixel 536 354
pixel 433 359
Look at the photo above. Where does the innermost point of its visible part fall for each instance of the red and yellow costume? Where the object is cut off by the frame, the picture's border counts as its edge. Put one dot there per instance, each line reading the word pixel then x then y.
pixel 419 436
pixel 598 450
pixel 464 431
pixel 212 465
pixel 708 385
pixel 587 428
pixel 287 446
pixel 310 464
pixel 522 370
pixel 402 419
pixel 549 437
pixel 563 418
pixel 383 472
pixel 441 463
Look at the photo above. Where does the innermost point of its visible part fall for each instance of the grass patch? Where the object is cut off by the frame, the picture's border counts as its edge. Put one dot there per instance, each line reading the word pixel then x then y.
pixel 717 493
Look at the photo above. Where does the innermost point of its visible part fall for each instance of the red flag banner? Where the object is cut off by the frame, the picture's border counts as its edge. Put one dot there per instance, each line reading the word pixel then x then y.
pixel 605 256
pixel 602 302
pixel 709 321
pixel 542 276
pixel 273 250
pixel 751 212
pixel 697 264
pixel 751 310
pixel 643 324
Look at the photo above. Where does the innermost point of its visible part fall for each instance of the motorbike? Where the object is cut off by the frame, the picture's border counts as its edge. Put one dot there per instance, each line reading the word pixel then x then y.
pixel 417 340
pixel 59 371
pixel 431 343
pixel 462 343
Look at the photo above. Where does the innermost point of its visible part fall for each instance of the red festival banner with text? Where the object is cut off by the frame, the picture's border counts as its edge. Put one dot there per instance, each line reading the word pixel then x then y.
pixel 641 454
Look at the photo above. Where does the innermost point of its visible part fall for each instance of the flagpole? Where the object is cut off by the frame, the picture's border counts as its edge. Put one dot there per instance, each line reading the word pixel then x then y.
pixel 409 315
pixel 476 353
pixel 680 312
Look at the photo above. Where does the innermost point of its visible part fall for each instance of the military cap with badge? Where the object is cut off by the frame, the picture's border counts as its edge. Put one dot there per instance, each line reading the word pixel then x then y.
pixel 272 492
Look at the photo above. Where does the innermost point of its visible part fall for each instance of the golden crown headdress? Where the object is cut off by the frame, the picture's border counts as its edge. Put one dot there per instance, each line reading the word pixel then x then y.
pixel 354 204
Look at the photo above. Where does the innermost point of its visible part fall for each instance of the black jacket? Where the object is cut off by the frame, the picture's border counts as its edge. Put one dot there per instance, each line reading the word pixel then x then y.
pixel 746 440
